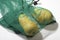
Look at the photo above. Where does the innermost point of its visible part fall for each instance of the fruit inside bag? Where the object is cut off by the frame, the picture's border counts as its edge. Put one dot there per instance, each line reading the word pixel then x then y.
pixel 23 18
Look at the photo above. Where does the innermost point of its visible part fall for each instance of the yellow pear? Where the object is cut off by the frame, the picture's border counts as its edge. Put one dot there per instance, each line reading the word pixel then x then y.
pixel 42 15
pixel 29 26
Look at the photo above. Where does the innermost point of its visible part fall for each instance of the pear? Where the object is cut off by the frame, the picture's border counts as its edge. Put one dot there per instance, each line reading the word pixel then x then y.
pixel 29 26
pixel 43 16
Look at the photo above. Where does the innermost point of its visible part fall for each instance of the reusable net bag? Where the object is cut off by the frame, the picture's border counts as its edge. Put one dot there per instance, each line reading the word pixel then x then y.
pixel 21 17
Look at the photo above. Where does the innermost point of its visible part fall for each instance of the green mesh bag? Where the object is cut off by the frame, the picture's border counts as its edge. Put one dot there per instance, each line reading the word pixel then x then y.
pixel 21 17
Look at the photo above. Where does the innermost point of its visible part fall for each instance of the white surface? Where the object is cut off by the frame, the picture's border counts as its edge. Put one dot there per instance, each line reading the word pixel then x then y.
pixel 53 6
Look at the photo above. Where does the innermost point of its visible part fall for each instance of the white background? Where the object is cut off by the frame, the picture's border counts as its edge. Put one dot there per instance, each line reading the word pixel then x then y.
pixel 54 7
